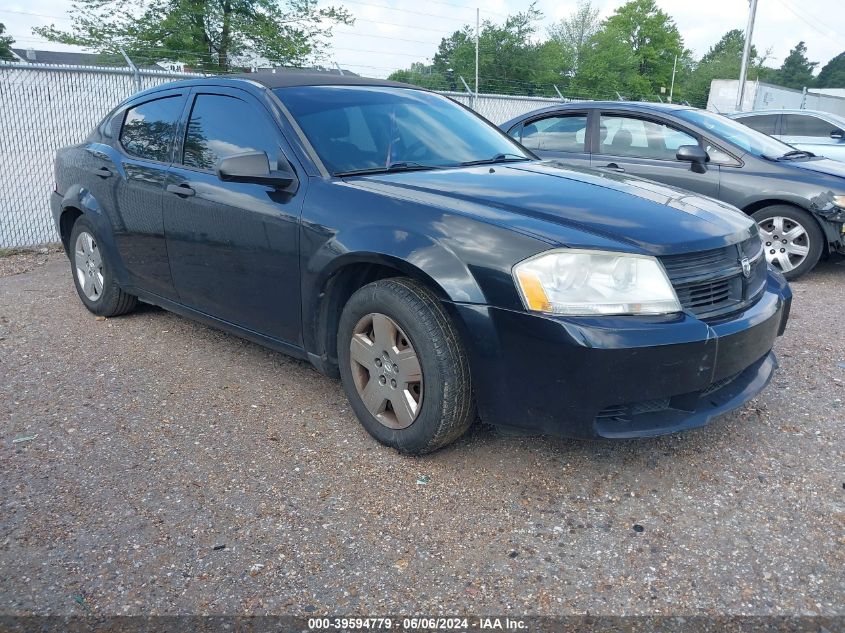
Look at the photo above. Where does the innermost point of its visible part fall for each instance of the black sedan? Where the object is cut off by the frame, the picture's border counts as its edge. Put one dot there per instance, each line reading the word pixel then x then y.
pixel 394 238
pixel 797 199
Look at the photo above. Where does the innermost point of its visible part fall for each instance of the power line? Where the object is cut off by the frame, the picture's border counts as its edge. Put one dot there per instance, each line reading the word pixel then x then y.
pixel 808 23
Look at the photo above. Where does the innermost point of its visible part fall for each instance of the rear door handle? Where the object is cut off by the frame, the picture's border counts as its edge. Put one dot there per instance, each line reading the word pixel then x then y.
pixel 103 172
pixel 182 189
pixel 614 167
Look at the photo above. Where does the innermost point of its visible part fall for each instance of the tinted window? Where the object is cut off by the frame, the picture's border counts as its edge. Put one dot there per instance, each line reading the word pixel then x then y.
pixel 627 136
pixel 148 128
pixel 222 126
pixel 370 127
pixel 765 123
pixel 556 133
pixel 804 125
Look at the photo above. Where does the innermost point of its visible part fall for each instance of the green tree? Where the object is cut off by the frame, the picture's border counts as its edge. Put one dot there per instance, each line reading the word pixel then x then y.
pixel 207 34
pixel 422 75
pixel 797 70
pixel 509 60
pixel 723 61
pixel 833 73
pixel 5 44
pixel 633 53
pixel 573 33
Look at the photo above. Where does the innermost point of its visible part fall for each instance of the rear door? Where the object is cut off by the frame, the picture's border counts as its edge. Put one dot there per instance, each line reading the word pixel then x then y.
pixel 645 146
pixel 233 247
pixel 145 143
pixel 562 135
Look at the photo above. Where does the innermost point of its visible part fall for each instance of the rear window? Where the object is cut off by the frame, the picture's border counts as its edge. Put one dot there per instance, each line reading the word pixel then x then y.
pixel 148 129
pixel 765 123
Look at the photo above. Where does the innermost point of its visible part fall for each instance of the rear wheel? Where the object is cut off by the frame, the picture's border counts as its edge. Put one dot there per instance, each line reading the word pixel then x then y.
pixel 403 367
pixel 792 239
pixel 92 274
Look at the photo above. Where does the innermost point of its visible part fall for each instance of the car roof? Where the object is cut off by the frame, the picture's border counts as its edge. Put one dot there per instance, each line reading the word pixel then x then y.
pixel 268 79
pixel 292 78
pixel 784 111
pixel 641 106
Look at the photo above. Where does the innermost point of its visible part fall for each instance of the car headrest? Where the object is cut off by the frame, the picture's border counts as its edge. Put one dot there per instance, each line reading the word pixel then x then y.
pixel 622 139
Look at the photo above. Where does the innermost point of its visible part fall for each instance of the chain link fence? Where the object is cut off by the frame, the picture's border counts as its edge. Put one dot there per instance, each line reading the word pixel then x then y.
pixel 45 107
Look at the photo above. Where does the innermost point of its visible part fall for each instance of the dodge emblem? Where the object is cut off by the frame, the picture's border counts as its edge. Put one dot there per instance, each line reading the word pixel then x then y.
pixel 746 267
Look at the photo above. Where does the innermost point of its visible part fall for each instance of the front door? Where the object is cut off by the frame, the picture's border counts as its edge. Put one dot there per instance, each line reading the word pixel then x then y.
pixel 646 148
pixel 806 129
pixel 233 247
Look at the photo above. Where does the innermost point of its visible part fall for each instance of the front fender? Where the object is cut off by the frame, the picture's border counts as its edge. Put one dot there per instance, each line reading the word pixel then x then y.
pixel 411 252
pixel 415 255
pixel 79 198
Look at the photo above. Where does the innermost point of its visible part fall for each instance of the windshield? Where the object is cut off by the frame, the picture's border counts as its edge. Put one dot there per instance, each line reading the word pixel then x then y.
pixel 722 127
pixel 371 128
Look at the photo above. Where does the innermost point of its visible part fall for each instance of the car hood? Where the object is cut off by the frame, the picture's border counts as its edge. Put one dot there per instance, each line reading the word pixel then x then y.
pixel 819 165
pixel 543 197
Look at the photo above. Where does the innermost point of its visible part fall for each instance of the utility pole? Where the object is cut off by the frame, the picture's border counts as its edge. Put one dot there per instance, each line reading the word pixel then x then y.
pixel 746 53
pixel 477 22
pixel 672 87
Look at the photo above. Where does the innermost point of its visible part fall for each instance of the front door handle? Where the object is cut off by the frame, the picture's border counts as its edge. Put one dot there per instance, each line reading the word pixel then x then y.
pixel 182 189
pixel 614 167
pixel 103 172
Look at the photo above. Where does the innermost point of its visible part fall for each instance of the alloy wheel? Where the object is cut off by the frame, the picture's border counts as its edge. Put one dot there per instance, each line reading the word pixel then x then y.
pixel 786 242
pixel 386 371
pixel 88 263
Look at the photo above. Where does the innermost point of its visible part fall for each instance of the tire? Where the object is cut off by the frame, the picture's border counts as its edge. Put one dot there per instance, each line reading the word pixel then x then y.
pixel 793 256
pixel 445 407
pixel 92 274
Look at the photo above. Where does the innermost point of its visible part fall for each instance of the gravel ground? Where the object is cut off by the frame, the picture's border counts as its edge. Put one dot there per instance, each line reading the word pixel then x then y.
pixel 176 469
pixel 15 262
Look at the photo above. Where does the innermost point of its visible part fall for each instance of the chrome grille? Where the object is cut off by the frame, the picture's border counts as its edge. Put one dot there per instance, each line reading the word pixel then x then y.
pixel 711 284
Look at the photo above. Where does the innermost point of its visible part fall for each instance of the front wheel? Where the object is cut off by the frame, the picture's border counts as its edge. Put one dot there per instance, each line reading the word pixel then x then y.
pixel 792 239
pixel 403 367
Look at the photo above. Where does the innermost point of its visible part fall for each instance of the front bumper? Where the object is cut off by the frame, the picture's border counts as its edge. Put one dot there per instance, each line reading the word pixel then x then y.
pixel 620 376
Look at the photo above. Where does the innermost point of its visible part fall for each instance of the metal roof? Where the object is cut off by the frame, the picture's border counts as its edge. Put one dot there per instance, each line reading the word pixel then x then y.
pixel 69 58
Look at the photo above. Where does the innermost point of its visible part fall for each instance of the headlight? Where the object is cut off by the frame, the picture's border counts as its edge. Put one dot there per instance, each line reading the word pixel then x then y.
pixel 586 282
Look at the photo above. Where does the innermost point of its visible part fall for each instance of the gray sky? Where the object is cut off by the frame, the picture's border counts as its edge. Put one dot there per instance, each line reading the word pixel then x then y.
pixel 391 34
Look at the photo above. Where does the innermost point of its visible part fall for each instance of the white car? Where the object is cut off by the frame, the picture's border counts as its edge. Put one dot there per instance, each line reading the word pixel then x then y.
pixel 819 132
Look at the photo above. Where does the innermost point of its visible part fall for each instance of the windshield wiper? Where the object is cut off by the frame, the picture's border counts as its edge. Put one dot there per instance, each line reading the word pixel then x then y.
pixel 797 153
pixel 498 158
pixel 392 167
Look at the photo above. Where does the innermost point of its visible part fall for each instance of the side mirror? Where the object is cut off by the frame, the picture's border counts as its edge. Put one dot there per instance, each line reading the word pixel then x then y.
pixel 255 167
pixel 837 135
pixel 695 155
pixel 692 154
